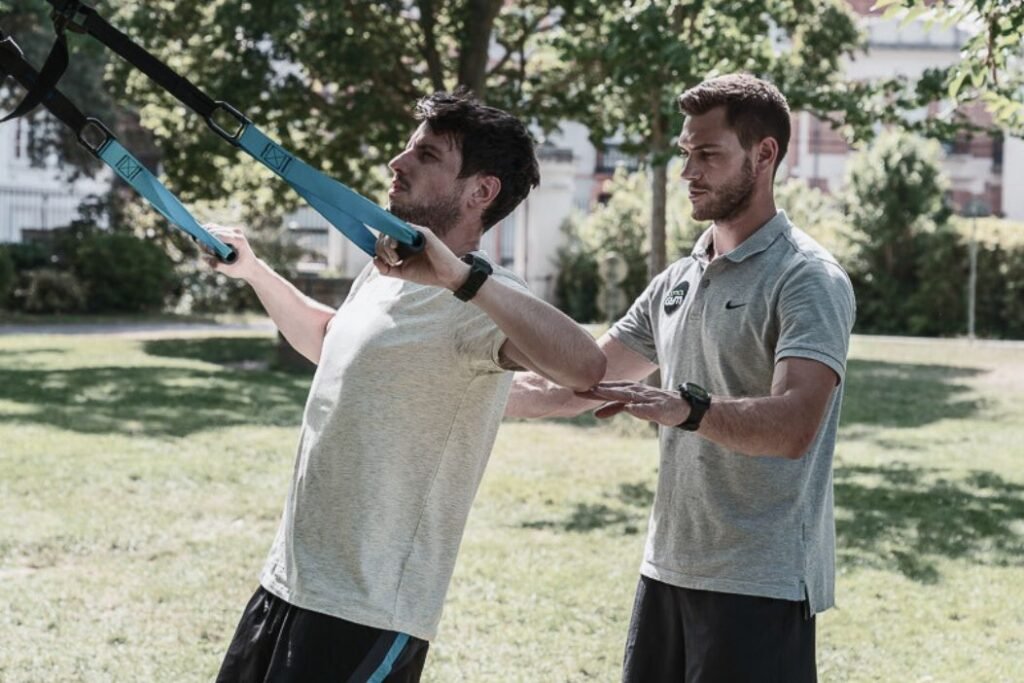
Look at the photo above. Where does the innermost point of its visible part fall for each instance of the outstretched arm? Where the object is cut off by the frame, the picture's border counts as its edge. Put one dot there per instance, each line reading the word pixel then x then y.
pixel 302 321
pixel 782 424
pixel 534 396
pixel 540 337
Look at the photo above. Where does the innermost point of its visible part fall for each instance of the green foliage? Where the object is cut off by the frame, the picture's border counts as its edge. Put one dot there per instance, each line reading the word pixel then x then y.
pixel 626 63
pixel 816 213
pixel 28 255
pixel 345 101
pixel 999 301
pixel 620 225
pixel 613 46
pixel 989 67
pixel 25 258
pixel 1012 268
pixel 909 258
pixel 7 275
pixel 577 284
pixel 124 273
pixel 53 291
pixel 894 200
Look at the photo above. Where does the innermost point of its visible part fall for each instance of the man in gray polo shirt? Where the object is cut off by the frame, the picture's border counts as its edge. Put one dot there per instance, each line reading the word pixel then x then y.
pixel 750 333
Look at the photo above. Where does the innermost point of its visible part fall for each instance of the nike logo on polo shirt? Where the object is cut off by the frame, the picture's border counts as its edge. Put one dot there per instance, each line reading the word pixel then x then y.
pixel 729 305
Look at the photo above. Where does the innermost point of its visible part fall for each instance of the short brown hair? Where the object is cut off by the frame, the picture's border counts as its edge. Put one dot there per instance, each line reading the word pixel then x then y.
pixel 755 109
pixel 492 142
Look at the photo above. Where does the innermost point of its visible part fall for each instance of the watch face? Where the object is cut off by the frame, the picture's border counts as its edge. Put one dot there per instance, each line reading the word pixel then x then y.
pixel 697 392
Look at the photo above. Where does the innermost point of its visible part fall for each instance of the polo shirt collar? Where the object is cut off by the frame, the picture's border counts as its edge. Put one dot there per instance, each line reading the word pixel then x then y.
pixel 761 239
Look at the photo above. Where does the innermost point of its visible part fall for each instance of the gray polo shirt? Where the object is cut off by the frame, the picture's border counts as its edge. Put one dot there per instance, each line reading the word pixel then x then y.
pixel 723 521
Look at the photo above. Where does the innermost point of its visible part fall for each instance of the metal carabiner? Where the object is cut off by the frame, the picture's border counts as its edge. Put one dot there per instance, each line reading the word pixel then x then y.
pixel 95 147
pixel 64 14
pixel 243 122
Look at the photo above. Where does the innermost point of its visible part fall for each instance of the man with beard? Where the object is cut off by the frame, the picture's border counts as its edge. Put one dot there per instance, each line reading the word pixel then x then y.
pixel 750 333
pixel 410 386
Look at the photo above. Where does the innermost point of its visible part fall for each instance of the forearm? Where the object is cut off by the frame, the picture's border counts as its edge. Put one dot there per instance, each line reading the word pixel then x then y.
pixel 551 341
pixel 770 425
pixel 302 320
pixel 534 396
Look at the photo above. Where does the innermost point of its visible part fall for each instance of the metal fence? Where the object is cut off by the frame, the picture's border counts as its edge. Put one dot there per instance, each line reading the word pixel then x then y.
pixel 24 210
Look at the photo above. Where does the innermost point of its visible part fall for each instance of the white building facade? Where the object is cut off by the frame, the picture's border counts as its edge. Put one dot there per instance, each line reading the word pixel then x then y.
pixel 981 168
pixel 36 199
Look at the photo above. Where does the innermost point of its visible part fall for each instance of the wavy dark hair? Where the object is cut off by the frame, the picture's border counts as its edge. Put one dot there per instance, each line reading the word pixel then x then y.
pixel 754 108
pixel 492 142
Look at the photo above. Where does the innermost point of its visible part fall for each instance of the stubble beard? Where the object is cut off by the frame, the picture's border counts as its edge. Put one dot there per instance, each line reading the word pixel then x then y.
pixel 440 215
pixel 732 197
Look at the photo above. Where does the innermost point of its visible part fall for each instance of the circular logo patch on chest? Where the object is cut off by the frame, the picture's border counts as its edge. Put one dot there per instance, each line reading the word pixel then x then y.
pixel 674 299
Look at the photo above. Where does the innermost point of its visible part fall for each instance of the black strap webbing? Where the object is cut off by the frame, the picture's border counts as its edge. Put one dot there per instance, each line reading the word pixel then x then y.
pixel 86 19
pixel 13 62
pixel 54 67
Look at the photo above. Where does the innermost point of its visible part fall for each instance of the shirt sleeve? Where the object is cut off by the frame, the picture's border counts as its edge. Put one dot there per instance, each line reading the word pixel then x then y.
pixel 816 310
pixel 360 280
pixel 478 339
pixel 636 328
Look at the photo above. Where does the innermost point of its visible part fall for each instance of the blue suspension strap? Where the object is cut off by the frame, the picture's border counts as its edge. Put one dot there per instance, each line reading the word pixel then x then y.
pixel 345 209
pixel 98 139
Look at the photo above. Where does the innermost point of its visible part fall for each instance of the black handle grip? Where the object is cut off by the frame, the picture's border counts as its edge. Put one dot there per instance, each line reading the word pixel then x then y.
pixel 231 257
pixel 228 258
pixel 406 250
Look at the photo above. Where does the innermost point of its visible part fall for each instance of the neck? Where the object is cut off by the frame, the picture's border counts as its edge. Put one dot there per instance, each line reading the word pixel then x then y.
pixel 463 237
pixel 729 234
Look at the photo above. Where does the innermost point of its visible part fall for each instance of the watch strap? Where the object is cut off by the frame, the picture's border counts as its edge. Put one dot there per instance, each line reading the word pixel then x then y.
pixel 699 405
pixel 479 271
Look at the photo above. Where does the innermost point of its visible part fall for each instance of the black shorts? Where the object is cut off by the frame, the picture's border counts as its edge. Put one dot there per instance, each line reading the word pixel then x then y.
pixel 682 635
pixel 280 643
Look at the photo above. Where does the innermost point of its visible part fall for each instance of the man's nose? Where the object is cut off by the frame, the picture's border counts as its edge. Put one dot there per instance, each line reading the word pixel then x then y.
pixel 398 163
pixel 690 171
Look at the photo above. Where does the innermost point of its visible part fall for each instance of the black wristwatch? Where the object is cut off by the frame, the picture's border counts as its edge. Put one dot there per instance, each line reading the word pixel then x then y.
pixel 699 400
pixel 479 271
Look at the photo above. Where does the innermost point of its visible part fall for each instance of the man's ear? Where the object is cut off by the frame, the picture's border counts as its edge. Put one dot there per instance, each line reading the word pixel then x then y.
pixel 767 153
pixel 486 190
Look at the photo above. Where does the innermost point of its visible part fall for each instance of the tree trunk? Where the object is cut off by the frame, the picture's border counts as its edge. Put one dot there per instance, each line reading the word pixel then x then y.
pixel 428 24
pixel 476 43
pixel 659 190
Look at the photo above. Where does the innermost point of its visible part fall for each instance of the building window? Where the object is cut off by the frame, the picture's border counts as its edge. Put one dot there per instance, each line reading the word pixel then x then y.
pixel 612 157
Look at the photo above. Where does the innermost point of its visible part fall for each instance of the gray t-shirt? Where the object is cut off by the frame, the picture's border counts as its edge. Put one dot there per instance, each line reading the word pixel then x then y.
pixel 398 427
pixel 723 521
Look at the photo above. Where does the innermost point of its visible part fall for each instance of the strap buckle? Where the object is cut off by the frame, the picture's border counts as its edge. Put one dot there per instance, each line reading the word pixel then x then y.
pixel 64 14
pixel 238 116
pixel 7 43
pixel 94 136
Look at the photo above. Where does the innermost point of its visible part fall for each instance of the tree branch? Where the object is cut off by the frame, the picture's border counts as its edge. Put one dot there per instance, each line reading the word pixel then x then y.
pixel 428 21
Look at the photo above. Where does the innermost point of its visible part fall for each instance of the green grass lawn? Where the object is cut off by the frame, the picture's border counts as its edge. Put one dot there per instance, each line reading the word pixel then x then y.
pixel 141 483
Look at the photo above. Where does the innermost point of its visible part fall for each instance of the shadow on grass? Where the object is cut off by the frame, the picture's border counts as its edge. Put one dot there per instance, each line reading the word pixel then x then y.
pixel 907 518
pixel 629 510
pixel 905 394
pixel 24 357
pixel 168 401
pixel 220 350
